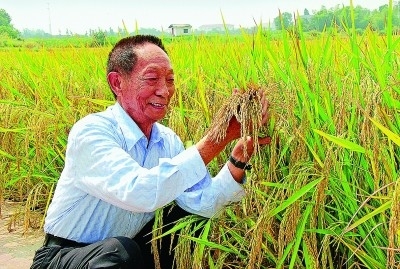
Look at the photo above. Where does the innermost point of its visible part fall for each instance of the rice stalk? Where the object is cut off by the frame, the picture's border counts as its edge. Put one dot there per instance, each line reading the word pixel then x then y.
pixel 156 232
pixel 394 227
pixel 245 107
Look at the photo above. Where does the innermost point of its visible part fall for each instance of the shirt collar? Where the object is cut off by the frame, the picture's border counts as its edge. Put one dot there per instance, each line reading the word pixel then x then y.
pixel 131 130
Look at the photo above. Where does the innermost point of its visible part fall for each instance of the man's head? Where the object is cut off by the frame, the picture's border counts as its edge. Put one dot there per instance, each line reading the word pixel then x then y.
pixel 122 58
pixel 141 77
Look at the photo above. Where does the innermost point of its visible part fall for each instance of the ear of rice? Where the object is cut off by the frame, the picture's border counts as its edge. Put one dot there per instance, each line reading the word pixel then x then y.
pixel 245 106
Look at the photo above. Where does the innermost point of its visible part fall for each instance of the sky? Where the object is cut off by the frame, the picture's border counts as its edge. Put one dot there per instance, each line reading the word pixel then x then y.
pixel 79 16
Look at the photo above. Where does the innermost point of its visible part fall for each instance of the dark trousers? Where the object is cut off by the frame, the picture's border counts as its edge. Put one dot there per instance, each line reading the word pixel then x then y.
pixel 116 252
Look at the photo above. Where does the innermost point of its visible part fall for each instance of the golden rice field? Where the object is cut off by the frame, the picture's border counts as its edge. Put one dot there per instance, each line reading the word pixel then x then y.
pixel 324 194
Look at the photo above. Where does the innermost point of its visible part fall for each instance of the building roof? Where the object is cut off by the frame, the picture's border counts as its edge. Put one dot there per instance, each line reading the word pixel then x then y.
pixel 180 26
pixel 220 25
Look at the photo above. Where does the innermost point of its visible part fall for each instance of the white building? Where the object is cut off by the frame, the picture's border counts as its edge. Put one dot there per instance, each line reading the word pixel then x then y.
pixel 216 27
pixel 180 29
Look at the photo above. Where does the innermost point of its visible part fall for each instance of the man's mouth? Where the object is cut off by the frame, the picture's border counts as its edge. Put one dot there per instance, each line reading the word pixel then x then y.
pixel 158 105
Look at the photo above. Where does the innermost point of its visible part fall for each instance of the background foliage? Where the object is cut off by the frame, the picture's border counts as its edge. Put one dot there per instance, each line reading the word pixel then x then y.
pixel 6 28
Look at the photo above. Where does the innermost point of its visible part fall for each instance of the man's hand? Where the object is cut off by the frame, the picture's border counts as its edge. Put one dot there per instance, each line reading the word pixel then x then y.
pixel 244 148
pixel 234 130
pixel 239 154
pixel 208 148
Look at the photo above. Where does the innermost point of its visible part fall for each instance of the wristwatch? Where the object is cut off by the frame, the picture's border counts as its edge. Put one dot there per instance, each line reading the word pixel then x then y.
pixel 239 164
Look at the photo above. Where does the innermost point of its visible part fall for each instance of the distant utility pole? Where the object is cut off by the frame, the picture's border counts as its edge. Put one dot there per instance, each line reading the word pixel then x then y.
pixel 48 9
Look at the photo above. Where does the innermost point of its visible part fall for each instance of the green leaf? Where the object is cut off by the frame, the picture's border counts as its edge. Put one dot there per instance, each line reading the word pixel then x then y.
pixel 214 245
pixel 315 155
pixel 377 211
pixel 392 136
pixel 204 236
pixel 7 155
pixel 179 225
pixel 299 235
pixel 297 195
pixel 341 142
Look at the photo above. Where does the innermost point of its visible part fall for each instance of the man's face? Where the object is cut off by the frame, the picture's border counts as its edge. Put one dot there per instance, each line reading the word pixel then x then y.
pixel 146 93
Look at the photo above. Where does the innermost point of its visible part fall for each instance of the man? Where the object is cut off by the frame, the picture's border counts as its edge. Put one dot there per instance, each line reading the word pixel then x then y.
pixel 121 165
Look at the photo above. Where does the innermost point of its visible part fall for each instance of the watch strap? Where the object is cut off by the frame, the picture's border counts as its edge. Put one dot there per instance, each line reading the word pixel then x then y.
pixel 239 164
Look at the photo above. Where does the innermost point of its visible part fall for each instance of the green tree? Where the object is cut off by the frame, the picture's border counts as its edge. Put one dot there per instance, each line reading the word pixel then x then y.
pixel 6 28
pixel 324 18
pixel 378 18
pixel 98 38
pixel 362 17
pixel 34 33
pixel 396 16
pixel 5 19
pixel 340 16
pixel 284 21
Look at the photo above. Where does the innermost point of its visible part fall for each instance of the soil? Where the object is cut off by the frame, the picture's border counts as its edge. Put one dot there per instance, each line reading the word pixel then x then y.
pixel 17 245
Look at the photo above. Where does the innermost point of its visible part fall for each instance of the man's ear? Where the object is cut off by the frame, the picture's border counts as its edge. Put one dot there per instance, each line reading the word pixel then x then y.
pixel 114 80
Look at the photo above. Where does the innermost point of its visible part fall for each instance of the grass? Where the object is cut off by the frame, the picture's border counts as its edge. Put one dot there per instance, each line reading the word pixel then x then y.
pixel 324 194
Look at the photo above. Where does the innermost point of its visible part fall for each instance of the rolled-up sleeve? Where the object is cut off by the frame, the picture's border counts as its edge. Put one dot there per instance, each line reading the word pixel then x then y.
pixel 208 197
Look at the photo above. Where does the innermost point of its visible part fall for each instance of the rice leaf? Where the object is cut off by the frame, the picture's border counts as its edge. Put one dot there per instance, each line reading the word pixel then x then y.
pixel 295 197
pixel 368 216
pixel 392 136
pixel 341 142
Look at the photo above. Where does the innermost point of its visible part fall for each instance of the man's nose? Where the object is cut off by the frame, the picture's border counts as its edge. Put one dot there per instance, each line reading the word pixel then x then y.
pixel 162 89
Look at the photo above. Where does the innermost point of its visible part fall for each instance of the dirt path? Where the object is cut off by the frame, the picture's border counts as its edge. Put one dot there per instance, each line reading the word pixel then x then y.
pixel 16 249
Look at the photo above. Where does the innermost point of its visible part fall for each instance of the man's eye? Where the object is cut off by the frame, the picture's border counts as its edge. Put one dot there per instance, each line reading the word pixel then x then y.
pixel 152 80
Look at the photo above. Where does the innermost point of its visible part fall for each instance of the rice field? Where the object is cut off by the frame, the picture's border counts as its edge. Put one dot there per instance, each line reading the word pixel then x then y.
pixel 324 194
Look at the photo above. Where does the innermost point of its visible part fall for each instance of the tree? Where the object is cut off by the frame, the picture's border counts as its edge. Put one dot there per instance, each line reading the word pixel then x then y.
pixel 340 16
pixel 5 19
pixel 322 19
pixel 98 38
pixel 378 18
pixel 362 16
pixel 34 33
pixel 6 28
pixel 284 21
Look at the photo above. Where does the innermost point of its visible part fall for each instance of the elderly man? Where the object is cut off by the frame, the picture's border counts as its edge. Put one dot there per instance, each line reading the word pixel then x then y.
pixel 121 165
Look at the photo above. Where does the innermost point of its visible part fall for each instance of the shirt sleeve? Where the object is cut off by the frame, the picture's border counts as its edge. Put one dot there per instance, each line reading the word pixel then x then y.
pixel 208 197
pixel 97 164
